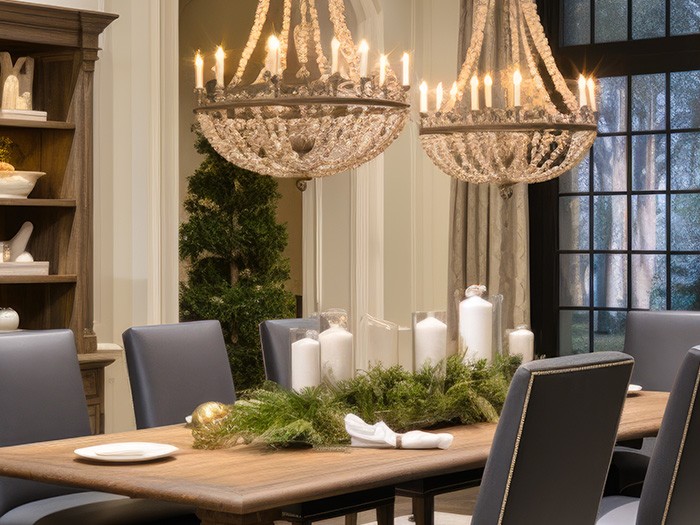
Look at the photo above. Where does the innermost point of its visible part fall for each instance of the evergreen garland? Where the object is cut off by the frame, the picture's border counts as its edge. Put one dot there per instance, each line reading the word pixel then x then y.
pixel 449 394
pixel 233 249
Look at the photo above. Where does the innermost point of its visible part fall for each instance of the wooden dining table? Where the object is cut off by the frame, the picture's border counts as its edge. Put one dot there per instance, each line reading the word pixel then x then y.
pixel 249 484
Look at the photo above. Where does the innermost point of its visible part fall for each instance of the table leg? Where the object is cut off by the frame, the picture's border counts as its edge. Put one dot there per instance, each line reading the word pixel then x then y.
pixel 213 517
pixel 423 508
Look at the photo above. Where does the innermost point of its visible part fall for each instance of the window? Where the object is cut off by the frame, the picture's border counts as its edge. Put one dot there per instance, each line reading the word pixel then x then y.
pixel 628 229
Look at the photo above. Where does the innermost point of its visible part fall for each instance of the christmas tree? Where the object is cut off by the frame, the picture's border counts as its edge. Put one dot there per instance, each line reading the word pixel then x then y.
pixel 232 247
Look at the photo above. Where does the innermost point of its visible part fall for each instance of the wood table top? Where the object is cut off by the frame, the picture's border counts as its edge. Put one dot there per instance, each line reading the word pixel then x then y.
pixel 248 479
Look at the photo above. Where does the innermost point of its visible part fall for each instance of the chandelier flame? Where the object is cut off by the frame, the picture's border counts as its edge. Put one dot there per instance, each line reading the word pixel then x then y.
pixel 510 117
pixel 302 117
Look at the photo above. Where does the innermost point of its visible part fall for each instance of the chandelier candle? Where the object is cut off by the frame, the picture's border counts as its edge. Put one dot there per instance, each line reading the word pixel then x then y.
pixel 488 82
pixel 363 50
pixel 475 93
pixel 335 51
pixel 438 97
pixel 582 91
pixel 429 341
pixel 219 67
pixel 521 341
pixel 199 71
pixel 405 61
pixel 424 97
pixel 383 61
pixel 591 94
pixel 273 55
pixel 476 325
pixel 517 79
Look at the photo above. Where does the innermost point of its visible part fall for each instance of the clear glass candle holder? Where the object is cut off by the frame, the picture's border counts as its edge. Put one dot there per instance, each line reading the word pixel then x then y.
pixel 337 347
pixel 305 358
pixel 429 339
pixel 381 341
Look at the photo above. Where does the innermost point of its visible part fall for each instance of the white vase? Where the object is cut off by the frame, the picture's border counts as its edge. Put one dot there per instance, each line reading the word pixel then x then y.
pixel 9 319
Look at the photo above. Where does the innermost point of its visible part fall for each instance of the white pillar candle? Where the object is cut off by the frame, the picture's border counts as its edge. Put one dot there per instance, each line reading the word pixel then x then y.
pixel 475 93
pixel 521 341
pixel 591 94
pixel 582 91
pixel 517 80
pixel 335 49
pixel 438 97
pixel 336 354
pixel 430 342
pixel 219 67
pixel 383 61
pixel 476 328
pixel 306 363
pixel 198 71
pixel 488 82
pixel 424 97
pixel 405 61
pixel 273 55
pixel 363 50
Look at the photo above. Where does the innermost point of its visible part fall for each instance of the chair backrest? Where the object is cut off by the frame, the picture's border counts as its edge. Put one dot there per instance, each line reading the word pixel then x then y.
pixel 41 399
pixel 659 341
pixel 672 484
pixel 274 340
pixel 554 441
pixel 173 368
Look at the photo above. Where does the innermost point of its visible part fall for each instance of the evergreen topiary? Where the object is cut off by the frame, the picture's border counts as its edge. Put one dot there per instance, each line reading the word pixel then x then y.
pixel 232 247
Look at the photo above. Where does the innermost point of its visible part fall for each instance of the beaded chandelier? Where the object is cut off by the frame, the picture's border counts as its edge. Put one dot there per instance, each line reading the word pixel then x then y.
pixel 302 116
pixel 510 116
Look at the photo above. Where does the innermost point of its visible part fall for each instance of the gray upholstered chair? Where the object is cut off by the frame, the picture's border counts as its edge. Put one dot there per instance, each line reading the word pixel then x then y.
pixel 42 399
pixel 670 491
pixel 274 340
pixel 552 447
pixel 659 341
pixel 173 368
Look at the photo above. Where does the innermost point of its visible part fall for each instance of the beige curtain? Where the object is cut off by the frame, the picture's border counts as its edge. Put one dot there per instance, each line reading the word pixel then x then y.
pixel 488 236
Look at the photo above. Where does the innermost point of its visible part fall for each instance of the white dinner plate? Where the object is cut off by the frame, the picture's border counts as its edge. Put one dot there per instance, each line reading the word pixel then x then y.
pixel 634 388
pixel 126 452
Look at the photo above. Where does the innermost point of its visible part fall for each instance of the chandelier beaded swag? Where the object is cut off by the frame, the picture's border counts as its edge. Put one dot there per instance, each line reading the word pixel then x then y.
pixel 510 116
pixel 302 116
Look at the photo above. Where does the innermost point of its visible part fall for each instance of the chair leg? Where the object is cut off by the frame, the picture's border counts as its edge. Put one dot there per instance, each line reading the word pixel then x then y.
pixel 423 509
pixel 351 519
pixel 385 514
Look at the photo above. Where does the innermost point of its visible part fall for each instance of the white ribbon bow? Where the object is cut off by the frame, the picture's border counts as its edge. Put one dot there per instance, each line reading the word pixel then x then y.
pixel 380 435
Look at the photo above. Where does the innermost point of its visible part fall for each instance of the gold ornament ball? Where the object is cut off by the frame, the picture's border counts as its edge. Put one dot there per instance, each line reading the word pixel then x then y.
pixel 209 412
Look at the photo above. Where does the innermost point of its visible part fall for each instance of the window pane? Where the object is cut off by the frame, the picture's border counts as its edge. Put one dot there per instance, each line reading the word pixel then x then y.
pixel 574 271
pixel 685 17
pixel 648 19
pixel 685 282
pixel 610 20
pixel 574 217
pixel 648 222
pixel 685 222
pixel 609 331
pixel 685 161
pixel 649 162
pixel 685 94
pixel 573 332
pixel 610 164
pixel 577 22
pixel 610 280
pixel 610 226
pixel 648 102
pixel 649 282
pixel 613 104
pixel 578 179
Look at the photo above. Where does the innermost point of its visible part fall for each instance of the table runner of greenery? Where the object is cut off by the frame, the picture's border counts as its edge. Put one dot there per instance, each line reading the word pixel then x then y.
pixel 451 393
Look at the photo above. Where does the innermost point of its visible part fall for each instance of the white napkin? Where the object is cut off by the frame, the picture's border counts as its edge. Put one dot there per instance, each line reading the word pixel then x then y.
pixel 381 436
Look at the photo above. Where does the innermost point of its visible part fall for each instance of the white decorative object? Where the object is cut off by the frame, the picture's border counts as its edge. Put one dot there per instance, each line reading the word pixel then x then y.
pixel 521 341
pixel 9 320
pixel 10 93
pixel 302 121
pixel 306 358
pixel 19 242
pixel 429 339
pixel 24 257
pixel 18 184
pixel 380 435
pixel 336 347
pixel 534 134
pixel 476 325
pixel 17 80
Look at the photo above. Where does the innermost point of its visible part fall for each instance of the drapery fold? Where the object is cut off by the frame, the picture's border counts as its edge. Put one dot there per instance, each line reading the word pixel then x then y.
pixel 488 235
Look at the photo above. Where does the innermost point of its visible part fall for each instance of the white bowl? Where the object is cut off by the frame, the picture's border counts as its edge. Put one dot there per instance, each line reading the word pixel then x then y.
pixel 18 184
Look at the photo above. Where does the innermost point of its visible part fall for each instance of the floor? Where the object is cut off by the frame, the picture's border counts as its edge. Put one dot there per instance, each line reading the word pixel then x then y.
pixel 461 502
